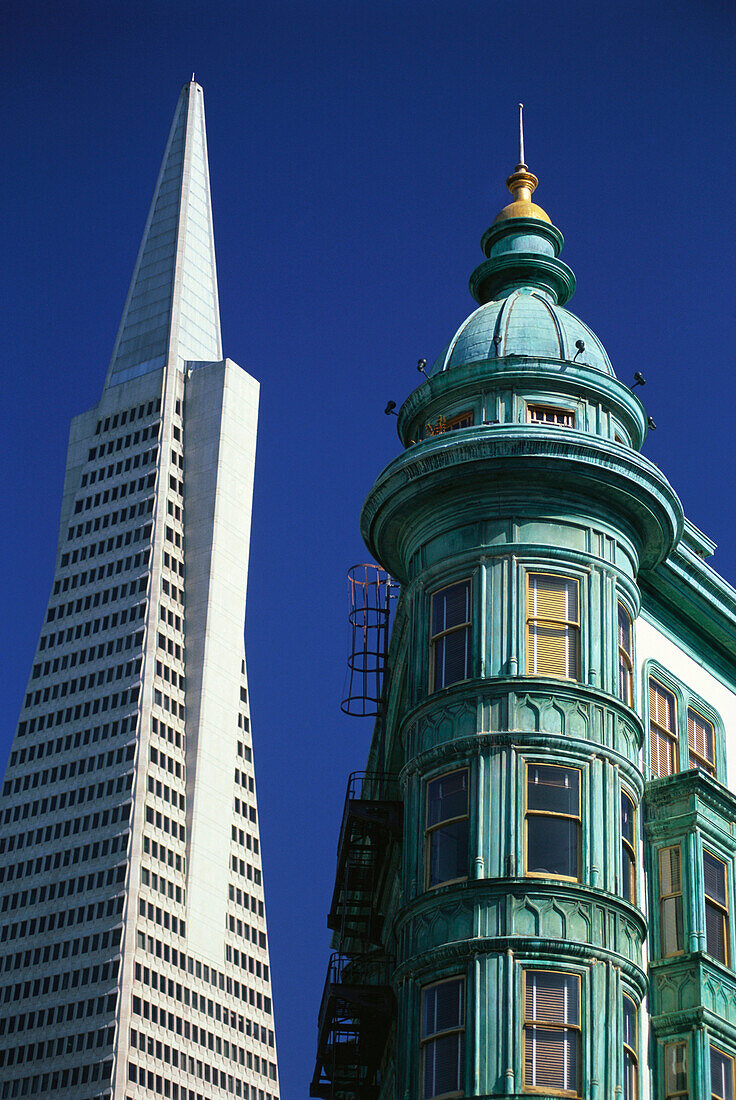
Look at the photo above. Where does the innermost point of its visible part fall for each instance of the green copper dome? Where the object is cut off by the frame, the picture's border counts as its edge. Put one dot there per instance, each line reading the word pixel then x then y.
pixel 525 322
pixel 522 287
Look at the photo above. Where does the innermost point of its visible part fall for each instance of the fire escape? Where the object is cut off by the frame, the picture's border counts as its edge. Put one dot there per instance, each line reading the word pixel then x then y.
pixel 358 1001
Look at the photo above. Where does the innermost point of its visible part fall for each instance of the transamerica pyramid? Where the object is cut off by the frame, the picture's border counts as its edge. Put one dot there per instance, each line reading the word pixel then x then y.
pixel 133 947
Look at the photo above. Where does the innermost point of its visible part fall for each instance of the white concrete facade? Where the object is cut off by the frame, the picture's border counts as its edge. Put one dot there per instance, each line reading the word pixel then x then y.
pixel 133 946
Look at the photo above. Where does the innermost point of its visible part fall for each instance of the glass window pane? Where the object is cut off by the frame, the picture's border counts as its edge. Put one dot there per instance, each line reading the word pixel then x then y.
pixel 554 789
pixel 451 607
pixel 451 654
pixel 670 878
pixel 663 751
pixel 716 932
pixel 443 1012
pixel 631 1077
pixel 551 997
pixel 554 598
pixel 551 1058
pixel 721 1075
pixel 714 875
pixel 628 890
pixel 552 846
pixel 672 932
pixel 662 706
pixel 554 650
pixel 625 687
pixel 627 818
pixel 624 629
pixel 443 1007
pixel 448 852
pixel 447 797
pixel 700 739
pixel 443 1059
pixel 629 1021
pixel 675 1068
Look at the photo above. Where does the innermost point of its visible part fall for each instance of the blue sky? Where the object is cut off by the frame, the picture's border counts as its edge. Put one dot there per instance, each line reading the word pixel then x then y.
pixel 358 150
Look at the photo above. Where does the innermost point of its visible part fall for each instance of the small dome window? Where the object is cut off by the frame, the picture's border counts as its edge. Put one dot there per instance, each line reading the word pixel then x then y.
pixel 443 424
pixel 549 414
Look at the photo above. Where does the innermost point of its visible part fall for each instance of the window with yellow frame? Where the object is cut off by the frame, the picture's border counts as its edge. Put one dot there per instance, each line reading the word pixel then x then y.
pixel 552 626
pixel 553 821
pixel 715 888
pixel 631 1049
pixel 625 657
pixel 628 848
pixel 552 1038
pixel 671 927
pixel 550 414
pixel 675 1071
pixel 721 1075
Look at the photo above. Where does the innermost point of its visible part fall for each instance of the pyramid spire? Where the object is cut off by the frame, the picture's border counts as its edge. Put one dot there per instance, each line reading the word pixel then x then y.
pixel 172 314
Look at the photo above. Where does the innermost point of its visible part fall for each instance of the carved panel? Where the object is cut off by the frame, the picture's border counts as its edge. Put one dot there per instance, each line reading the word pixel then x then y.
pixel 446 723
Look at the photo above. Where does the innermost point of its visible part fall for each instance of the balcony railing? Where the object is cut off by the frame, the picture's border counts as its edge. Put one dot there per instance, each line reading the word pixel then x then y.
pixel 354 1019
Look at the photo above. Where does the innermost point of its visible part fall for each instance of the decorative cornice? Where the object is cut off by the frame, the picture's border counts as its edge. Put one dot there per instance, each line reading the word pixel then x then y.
pixel 527 269
pixel 477 890
pixel 578 380
pixel 478 690
pixel 669 788
pixel 521 462
pixel 525 948
pixel 705 603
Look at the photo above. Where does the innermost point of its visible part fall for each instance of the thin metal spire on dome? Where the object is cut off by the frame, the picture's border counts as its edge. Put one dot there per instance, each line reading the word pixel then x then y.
pixel 522 162
pixel 522 183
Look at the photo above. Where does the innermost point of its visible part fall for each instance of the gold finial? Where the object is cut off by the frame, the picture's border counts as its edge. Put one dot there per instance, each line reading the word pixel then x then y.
pixel 522 183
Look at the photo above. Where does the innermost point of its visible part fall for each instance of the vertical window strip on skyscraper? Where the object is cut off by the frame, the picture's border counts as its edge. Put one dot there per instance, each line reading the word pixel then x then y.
pixel 447 828
pixel 450 636
pixel 552 1034
pixel 552 626
pixel 443 1039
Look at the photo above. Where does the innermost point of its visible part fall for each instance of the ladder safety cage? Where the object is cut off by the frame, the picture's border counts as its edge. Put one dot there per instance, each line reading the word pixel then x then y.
pixel 371 593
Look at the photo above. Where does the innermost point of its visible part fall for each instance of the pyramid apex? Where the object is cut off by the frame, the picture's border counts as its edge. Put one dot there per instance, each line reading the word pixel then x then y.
pixel 171 314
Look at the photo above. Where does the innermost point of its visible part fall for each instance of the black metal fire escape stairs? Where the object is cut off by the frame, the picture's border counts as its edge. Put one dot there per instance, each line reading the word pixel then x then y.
pixel 358 1004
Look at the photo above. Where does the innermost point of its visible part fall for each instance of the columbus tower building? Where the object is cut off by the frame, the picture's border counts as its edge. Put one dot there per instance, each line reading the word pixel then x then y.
pixel 534 890
pixel 133 949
